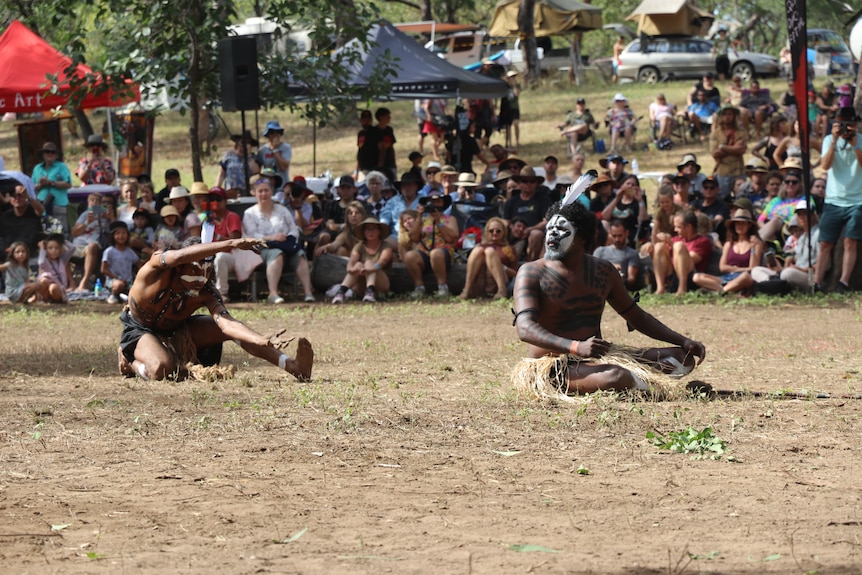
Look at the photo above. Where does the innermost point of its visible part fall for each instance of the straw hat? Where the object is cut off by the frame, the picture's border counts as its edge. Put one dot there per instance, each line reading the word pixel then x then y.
pixel 169 211
pixel 359 230
pixel 528 173
pixel 467 180
pixel 791 163
pixel 742 215
pixel 199 189
pixel 602 180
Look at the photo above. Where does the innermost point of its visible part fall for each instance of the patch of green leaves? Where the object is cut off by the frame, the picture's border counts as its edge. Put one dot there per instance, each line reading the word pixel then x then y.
pixel 701 444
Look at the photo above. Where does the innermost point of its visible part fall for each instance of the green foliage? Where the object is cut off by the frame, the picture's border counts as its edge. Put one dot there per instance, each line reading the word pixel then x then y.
pixel 702 444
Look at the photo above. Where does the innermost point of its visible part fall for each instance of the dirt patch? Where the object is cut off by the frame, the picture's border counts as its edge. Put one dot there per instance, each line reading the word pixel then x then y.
pixel 410 453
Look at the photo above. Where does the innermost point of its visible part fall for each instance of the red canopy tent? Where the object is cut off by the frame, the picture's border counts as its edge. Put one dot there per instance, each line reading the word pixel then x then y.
pixel 26 61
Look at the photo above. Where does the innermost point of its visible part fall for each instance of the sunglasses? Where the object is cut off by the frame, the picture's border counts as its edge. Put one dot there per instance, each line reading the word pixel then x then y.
pixel 791 181
pixel 20 194
pixel 710 187
pixel 495 231
pixel 51 152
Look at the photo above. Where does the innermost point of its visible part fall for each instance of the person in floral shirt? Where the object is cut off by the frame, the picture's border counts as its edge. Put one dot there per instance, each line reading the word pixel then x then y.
pixel 96 168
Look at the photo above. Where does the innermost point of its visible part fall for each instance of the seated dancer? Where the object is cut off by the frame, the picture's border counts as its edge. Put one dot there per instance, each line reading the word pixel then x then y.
pixel 559 300
pixel 161 333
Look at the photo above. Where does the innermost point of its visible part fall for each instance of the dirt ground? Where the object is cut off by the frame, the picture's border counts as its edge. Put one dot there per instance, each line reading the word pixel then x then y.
pixel 411 453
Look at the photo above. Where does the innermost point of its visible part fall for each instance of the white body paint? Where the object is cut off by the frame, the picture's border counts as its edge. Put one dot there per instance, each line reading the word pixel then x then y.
pixel 559 236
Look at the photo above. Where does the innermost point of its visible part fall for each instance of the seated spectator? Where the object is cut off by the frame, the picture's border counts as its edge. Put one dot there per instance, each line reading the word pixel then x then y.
pixel 766 148
pixel 772 188
pixel 735 93
pixel 578 127
pixel 707 84
pixel 86 236
pixel 662 116
pixel 675 261
pixel 128 200
pixel 269 221
pixel 760 106
pixel 95 168
pixel 180 198
pixel 621 122
pixel 740 254
pixel 531 207
pixel 346 239
pixel 754 188
pixel 578 161
pixel 662 220
pixel 715 209
pixel 55 272
pixel 603 194
pixel 627 207
pixel 790 146
pixel 699 114
pixel 405 223
pixel 19 287
pixel 369 260
pixel 681 190
pixel 691 170
pixel 119 262
pixel 615 165
pixel 491 264
pixel 227 226
pixel 513 164
pixel 550 164
pixel 169 231
pixel 21 222
pixel 778 210
pixel 305 209
pixel 141 234
pixel 147 200
pixel 796 267
pixel 467 189
pixel 622 256
pixel 335 211
pixel 407 200
pixel 434 235
pixel 373 197
pixel 787 103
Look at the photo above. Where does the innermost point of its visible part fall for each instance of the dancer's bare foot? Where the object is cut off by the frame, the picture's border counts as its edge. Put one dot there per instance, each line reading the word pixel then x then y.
pixel 502 294
pixel 304 360
pixel 126 369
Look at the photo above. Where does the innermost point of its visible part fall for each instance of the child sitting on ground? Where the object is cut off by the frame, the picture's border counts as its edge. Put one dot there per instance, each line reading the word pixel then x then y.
pixel 170 230
pixel 405 224
pixel 20 288
pixel 54 269
pixel 119 262
pixel 368 261
pixel 142 236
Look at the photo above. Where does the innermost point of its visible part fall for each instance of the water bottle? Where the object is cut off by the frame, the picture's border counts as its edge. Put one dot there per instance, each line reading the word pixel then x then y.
pixel 469 241
pixel 328 177
pixel 635 170
pixel 97 289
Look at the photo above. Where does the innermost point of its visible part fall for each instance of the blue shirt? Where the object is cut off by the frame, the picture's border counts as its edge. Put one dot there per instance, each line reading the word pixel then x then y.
pixel 703 110
pixel 392 212
pixel 58 172
pixel 844 184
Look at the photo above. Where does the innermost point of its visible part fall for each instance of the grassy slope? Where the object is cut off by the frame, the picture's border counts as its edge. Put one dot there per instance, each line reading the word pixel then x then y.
pixel 541 110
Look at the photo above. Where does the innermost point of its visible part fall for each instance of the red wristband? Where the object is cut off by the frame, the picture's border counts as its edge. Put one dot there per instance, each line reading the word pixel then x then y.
pixel 573 348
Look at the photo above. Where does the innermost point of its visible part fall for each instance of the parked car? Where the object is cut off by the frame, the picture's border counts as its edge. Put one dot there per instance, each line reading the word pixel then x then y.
pixel 666 58
pixel 828 54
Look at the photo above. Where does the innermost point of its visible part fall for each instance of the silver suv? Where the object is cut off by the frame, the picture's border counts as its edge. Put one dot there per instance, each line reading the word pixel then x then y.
pixel 669 58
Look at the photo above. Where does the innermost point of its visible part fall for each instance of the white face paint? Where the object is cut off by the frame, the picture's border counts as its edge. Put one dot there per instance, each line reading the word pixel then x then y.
pixel 196 281
pixel 559 236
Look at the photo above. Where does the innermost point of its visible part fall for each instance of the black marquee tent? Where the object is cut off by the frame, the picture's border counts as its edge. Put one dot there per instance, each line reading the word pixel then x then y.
pixel 418 73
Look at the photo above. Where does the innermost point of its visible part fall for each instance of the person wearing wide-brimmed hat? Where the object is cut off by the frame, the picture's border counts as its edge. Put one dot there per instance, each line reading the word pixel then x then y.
pixel 740 255
pixel 530 206
pixel 181 199
pixel 727 143
pixel 53 180
pixel 275 153
pixel 468 189
pixel 96 168
pixel 841 157
pixel 408 199
pixel 512 164
pixel 369 260
pixel 434 235
pixel 754 186
pixel 603 193
pixel 794 269
pixel 232 167
pixel 691 169
pixel 615 166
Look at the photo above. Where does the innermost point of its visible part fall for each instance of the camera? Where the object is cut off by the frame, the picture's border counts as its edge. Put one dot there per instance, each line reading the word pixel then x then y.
pixel 846 129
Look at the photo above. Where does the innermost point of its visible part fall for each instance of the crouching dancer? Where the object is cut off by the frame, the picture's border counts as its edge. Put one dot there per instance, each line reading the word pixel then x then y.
pixel 559 301
pixel 161 332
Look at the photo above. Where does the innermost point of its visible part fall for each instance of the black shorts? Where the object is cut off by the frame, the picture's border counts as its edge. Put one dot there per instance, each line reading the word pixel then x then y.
pixel 672 283
pixel 133 331
pixel 722 65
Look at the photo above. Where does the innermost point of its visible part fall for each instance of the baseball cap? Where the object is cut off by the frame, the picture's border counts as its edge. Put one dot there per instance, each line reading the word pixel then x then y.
pixel 345 182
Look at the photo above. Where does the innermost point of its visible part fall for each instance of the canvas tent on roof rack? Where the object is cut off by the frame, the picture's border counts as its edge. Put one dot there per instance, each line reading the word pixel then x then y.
pixel 671 17
pixel 551 18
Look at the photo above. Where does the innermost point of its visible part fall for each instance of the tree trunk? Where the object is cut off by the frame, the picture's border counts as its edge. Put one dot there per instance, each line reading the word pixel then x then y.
pixel 426 10
pixel 83 123
pixel 526 18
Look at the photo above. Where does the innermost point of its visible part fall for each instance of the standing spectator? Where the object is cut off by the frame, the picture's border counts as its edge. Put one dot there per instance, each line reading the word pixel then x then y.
pixel 578 127
pixel 96 168
pixel 434 107
pixel 119 262
pixel 776 134
pixel 619 46
pixel 385 143
pixel 676 260
pixel 272 222
pixel 624 258
pixel 721 48
pixel 510 110
pixel 275 153
pixel 728 143
pixel 621 121
pixel 841 156
pixel 366 144
pixel 232 174
pixel 53 180
pixel 530 207
pixel 172 180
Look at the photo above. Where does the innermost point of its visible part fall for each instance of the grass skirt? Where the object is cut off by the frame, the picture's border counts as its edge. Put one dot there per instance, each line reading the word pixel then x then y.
pixel 546 378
